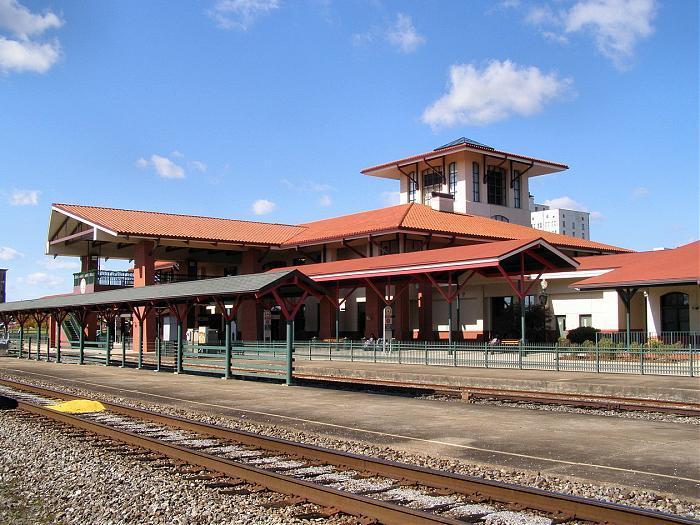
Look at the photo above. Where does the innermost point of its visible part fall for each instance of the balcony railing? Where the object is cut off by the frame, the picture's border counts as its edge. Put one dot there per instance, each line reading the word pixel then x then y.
pixel 167 277
pixel 104 278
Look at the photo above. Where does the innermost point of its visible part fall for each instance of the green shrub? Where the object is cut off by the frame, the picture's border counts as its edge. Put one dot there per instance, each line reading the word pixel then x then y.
pixel 606 342
pixel 581 334
pixel 563 341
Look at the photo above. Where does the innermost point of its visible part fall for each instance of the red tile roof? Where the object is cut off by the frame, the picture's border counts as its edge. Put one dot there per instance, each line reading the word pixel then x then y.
pixel 679 265
pixel 443 259
pixel 460 147
pixel 174 226
pixel 421 218
pixel 404 217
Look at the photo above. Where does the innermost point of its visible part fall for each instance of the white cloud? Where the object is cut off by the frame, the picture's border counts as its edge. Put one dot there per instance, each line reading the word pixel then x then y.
pixel 163 166
pixel 240 14
pixel 617 26
pixel 362 39
pixel 263 207
pixel 20 53
pixel 40 278
pixel 307 186
pixel 325 201
pixel 391 198
pixel 7 253
pixel 639 192
pixel 17 19
pixel 482 96
pixel 568 203
pixel 21 56
pixel 197 165
pixel 24 198
pixel 62 263
pixel 403 34
pixel 177 154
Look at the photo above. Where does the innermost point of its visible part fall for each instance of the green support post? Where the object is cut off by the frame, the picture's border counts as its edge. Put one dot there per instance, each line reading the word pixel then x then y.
pixel 123 365
pixel 58 341
pixel 21 341
pixel 81 343
pixel 140 359
pixel 290 350
pixel 178 369
pixel 227 365
pixel 158 353
pixel 449 323
pixel 29 350
pixel 107 353
pixel 38 341
pixel 337 327
pixel 690 360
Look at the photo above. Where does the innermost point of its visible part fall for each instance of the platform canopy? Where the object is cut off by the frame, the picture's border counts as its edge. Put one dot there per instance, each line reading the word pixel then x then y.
pixel 492 259
pixel 280 283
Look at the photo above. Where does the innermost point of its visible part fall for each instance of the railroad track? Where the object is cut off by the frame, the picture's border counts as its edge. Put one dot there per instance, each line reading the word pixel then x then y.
pixel 377 490
pixel 620 403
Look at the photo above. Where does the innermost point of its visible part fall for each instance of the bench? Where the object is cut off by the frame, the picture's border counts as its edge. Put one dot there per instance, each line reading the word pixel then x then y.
pixel 510 342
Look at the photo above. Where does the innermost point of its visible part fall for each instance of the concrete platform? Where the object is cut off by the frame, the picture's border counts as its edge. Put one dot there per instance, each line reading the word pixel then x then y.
pixel 667 388
pixel 654 455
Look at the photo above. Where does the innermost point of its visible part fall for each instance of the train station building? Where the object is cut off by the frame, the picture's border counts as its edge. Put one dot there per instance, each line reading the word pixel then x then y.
pixel 451 262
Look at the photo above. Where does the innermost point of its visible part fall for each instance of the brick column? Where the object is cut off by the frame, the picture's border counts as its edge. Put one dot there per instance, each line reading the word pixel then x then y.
pixel 425 310
pixel 401 316
pixel 373 314
pixel 326 321
pixel 144 275
pixel 249 319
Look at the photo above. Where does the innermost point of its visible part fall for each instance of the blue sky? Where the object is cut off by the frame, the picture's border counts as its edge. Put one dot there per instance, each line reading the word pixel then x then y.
pixel 268 109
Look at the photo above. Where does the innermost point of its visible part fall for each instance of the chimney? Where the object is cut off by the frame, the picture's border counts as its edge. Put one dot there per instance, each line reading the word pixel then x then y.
pixel 3 279
pixel 442 202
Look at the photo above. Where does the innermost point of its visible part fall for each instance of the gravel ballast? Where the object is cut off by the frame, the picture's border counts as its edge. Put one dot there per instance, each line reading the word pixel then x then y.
pixel 616 494
pixel 54 478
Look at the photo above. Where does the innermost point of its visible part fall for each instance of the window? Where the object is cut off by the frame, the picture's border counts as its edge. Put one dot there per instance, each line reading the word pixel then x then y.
pixel 388 247
pixel 585 320
pixel 500 218
pixel 495 186
pixel 476 182
pixel 432 181
pixel 516 189
pixel 675 312
pixel 412 187
pixel 561 325
pixel 413 245
pixel 452 178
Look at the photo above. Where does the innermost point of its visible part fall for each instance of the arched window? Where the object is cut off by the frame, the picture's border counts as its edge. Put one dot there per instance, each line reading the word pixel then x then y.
pixel 675 312
pixel 476 184
pixel 452 178
pixel 500 218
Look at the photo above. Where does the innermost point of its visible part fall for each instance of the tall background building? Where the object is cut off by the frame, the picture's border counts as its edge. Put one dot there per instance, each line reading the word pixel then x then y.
pixel 559 220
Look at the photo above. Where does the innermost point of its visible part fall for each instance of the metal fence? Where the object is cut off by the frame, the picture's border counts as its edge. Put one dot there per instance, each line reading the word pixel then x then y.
pixel 268 359
pixel 650 339
pixel 669 360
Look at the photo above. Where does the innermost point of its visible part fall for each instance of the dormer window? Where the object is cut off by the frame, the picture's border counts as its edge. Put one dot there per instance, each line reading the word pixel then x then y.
pixel 500 218
pixel 432 181
pixel 495 185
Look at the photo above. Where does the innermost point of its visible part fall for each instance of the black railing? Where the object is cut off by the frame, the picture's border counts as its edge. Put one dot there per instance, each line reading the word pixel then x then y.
pixel 104 278
pixel 168 277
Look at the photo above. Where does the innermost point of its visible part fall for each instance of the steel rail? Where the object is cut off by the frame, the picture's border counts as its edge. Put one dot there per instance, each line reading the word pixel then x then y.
pixel 346 502
pixel 526 497
pixel 590 400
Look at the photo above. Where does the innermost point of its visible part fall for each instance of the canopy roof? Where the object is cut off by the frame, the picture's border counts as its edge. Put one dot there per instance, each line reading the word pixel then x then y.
pixel 223 287
pixel 656 268
pixel 486 258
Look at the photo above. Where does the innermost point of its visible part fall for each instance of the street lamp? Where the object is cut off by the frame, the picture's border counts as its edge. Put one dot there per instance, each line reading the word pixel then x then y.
pixel 543 294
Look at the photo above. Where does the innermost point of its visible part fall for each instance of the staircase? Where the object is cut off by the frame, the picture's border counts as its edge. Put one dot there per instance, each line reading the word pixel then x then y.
pixel 71 328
